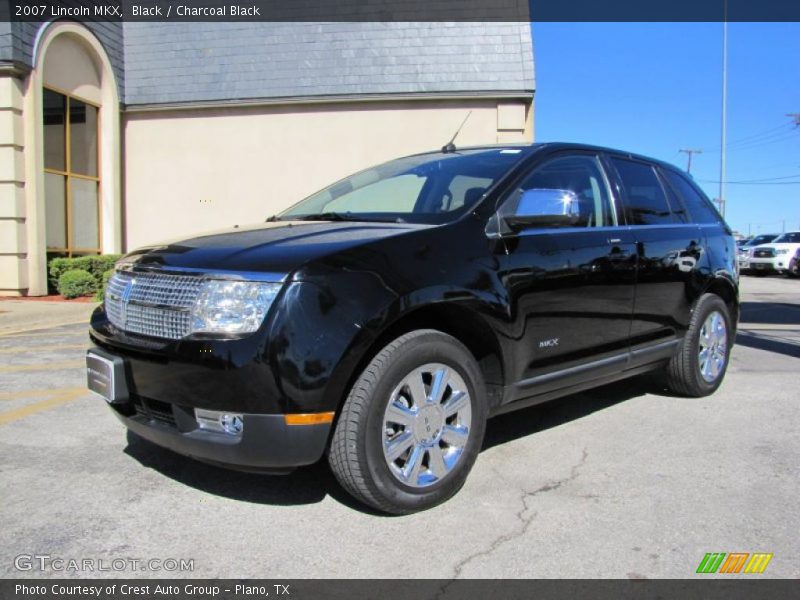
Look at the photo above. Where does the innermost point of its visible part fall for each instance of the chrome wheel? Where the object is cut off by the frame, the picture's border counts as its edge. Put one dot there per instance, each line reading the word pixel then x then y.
pixel 713 350
pixel 426 425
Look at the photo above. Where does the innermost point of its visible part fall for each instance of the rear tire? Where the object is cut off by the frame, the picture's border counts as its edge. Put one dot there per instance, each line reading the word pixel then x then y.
pixel 702 360
pixel 412 425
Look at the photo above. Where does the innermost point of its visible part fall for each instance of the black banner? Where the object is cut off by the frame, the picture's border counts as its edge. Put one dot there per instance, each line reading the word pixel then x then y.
pixel 401 10
pixel 734 588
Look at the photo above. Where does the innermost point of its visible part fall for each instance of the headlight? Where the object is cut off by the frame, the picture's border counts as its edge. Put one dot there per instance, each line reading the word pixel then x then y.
pixel 224 306
pixel 783 251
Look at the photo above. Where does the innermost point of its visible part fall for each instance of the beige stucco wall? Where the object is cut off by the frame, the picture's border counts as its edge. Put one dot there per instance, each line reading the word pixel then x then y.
pixel 13 247
pixel 69 58
pixel 188 171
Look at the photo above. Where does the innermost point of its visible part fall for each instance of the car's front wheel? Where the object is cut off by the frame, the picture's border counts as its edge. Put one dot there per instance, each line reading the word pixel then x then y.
pixel 412 424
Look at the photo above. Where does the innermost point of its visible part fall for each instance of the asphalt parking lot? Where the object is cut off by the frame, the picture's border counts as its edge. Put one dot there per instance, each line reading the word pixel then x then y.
pixel 624 481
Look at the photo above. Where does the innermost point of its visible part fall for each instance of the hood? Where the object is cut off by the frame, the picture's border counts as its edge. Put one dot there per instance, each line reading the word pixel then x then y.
pixel 279 247
pixel 780 246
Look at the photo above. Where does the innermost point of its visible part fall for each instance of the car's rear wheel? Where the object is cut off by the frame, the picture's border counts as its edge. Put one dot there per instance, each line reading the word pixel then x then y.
pixel 702 360
pixel 412 425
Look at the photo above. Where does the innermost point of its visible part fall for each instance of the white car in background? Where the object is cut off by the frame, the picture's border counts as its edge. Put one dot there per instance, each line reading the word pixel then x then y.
pixel 775 256
pixel 745 250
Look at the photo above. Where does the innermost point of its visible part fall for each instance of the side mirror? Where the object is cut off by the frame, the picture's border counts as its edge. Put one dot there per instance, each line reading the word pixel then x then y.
pixel 545 208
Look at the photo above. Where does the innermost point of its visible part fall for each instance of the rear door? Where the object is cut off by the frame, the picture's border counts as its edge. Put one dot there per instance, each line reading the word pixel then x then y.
pixel 670 256
pixel 716 234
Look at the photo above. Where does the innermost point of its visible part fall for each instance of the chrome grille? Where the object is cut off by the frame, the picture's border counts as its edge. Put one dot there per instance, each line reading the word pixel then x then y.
pixel 764 252
pixel 152 304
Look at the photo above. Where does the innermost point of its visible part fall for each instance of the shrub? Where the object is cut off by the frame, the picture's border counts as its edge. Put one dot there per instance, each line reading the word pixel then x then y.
pixel 101 290
pixel 76 282
pixel 56 267
pixel 96 265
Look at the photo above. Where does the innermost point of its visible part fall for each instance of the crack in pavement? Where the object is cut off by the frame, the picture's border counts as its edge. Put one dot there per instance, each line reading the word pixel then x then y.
pixel 525 497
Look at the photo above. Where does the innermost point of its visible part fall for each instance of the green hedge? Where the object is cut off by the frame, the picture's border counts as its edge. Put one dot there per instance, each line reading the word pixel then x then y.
pixel 101 290
pixel 76 282
pixel 96 265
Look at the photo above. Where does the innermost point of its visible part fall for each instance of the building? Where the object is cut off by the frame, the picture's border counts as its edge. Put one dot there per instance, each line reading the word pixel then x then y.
pixel 115 135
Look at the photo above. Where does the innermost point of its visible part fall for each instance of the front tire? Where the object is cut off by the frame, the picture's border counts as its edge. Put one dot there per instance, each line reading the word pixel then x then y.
pixel 702 360
pixel 412 425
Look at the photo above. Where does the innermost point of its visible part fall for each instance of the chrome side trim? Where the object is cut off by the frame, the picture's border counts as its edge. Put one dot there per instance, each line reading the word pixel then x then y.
pixel 661 348
pixel 562 373
pixel 266 277
pixel 655 348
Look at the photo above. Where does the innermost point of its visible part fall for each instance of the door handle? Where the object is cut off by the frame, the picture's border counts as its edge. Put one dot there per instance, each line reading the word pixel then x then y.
pixel 614 240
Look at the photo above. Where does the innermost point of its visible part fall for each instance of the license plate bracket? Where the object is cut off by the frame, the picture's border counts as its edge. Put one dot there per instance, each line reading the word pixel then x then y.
pixel 105 375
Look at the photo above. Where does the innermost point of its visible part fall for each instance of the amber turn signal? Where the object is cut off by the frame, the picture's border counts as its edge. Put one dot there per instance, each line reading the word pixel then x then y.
pixel 309 418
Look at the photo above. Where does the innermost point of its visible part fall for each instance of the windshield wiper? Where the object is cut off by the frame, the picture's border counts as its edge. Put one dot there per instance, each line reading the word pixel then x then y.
pixel 331 216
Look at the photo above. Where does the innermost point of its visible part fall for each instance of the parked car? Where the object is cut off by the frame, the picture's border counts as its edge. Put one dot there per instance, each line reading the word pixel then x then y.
pixel 745 249
pixel 775 256
pixel 382 320
pixel 794 265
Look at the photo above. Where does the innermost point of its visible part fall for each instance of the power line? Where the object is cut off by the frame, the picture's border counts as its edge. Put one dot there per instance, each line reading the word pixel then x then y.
pixel 754 136
pixel 779 136
pixel 752 182
pixel 763 179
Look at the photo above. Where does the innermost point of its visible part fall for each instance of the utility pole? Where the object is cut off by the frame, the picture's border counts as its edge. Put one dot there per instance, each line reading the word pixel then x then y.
pixel 796 117
pixel 690 151
pixel 724 136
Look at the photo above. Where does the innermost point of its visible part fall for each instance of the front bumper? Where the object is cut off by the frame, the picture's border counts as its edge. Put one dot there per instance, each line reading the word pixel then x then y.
pixel 266 442
pixel 768 265
pixel 266 445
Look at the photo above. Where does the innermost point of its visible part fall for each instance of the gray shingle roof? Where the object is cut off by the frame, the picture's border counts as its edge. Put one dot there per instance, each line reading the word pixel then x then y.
pixel 17 40
pixel 207 62
pixel 174 63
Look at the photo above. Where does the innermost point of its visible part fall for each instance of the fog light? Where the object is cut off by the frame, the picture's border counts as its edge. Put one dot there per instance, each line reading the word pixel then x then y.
pixel 220 422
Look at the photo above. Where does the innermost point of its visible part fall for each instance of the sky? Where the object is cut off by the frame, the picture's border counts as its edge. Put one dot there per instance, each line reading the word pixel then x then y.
pixel 655 88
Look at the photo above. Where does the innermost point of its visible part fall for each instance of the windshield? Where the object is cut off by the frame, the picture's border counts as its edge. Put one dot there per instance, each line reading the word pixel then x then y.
pixel 761 239
pixel 431 188
pixel 788 238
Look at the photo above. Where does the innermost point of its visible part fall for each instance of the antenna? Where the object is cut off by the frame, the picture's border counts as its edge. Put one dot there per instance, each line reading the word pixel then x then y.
pixel 450 146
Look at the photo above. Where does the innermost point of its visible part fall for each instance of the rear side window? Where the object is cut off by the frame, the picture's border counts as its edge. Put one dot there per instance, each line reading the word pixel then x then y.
pixel 700 208
pixel 645 200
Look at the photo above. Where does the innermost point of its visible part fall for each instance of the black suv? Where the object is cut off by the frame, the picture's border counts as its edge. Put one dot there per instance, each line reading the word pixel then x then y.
pixel 382 320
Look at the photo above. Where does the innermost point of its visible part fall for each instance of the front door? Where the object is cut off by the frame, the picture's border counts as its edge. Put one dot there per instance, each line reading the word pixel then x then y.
pixel 571 288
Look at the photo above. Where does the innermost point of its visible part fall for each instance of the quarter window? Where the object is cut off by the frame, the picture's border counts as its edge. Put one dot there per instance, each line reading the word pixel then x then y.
pixel 645 200
pixel 71 178
pixel 699 207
